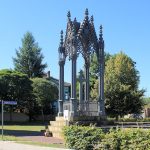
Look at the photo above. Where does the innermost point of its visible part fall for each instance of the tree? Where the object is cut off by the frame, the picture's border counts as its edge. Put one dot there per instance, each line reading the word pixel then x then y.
pixel 45 92
pixel 94 74
pixel 29 58
pixel 146 100
pixel 16 86
pixel 122 95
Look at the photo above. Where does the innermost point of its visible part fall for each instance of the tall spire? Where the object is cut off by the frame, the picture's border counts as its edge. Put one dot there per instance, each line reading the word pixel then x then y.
pixel 61 38
pixel 75 20
pixel 101 33
pixel 86 14
pixel 69 16
pixel 101 41
pixel 92 19
pixel 101 107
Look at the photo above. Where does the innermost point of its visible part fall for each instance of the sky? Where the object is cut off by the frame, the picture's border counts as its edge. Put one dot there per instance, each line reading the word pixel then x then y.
pixel 126 27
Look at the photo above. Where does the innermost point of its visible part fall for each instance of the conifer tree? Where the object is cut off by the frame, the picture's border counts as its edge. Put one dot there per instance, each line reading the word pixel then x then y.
pixel 29 57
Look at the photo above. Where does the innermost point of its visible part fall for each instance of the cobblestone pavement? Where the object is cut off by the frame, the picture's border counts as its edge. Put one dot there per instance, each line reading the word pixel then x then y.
pixel 10 145
pixel 43 139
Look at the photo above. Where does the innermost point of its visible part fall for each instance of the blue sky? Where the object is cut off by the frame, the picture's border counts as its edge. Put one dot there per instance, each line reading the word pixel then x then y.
pixel 126 28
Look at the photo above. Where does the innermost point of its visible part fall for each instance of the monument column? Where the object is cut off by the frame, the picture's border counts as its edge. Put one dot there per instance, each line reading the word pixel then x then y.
pixel 73 86
pixel 86 86
pixel 61 76
pixel 61 88
pixel 73 57
pixel 101 105
pixel 81 80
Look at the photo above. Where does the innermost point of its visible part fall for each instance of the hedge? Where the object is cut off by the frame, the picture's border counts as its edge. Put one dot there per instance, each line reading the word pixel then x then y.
pixel 93 138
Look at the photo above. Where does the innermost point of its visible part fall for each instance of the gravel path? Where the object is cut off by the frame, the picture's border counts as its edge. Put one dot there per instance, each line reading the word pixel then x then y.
pixel 43 139
pixel 10 145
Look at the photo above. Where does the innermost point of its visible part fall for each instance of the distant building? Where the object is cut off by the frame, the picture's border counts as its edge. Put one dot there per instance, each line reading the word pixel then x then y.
pixel 67 90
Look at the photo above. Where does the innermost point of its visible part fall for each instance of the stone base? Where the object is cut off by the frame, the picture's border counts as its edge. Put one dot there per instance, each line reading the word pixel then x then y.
pixel 60 114
pixel 56 127
pixel 88 120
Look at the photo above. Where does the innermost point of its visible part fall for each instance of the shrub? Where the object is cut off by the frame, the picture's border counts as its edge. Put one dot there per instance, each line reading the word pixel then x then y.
pixel 92 138
pixel 125 139
pixel 82 138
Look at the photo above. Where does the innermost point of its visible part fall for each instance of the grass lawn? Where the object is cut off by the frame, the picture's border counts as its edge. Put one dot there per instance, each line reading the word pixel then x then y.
pixel 15 133
pixel 24 127
pixel 11 132
pixel 22 130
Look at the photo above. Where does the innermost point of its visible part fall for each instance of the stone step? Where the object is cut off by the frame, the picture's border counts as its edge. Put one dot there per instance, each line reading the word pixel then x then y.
pixel 55 128
pixel 58 135
pixel 58 123
pixel 60 119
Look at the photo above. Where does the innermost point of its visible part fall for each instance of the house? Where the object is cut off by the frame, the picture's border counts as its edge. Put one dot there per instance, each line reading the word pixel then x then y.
pixel 67 90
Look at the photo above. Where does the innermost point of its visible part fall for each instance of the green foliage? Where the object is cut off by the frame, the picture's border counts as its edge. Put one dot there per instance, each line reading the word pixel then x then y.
pixel 15 86
pixel 77 88
pixel 121 86
pixel 126 139
pixel 122 95
pixel 88 138
pixel 94 90
pixel 82 138
pixel 146 100
pixel 94 75
pixel 44 93
pixel 29 58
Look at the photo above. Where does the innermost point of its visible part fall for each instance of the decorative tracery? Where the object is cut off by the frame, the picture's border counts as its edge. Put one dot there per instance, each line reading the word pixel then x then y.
pixel 81 38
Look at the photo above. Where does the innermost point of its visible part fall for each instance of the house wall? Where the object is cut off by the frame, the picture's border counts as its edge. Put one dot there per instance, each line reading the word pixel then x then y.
pixel 18 117
pixel 147 112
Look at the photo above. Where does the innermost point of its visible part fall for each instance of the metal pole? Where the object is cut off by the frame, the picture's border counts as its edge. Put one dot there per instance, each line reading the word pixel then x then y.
pixel 2 118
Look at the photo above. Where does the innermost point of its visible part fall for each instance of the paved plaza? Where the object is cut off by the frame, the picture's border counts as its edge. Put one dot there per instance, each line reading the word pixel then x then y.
pixel 10 145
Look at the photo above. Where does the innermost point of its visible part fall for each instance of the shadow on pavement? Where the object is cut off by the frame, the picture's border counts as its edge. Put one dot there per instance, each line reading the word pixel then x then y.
pixel 19 133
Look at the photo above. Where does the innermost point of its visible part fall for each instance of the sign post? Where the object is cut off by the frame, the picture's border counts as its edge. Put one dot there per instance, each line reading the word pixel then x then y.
pixel 2 119
pixel 6 103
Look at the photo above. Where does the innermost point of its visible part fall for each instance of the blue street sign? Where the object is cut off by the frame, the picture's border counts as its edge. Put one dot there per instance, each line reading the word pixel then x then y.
pixel 10 102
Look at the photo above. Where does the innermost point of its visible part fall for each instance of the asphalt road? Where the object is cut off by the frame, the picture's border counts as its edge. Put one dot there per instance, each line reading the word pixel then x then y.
pixel 10 145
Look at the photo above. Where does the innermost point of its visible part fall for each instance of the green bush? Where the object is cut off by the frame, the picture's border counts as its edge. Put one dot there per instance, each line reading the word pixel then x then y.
pixel 126 139
pixel 82 138
pixel 92 138
pixel 128 120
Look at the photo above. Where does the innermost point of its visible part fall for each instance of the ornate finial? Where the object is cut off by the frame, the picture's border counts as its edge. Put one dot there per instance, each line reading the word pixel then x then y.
pixel 86 15
pixel 92 19
pixel 75 20
pixel 86 12
pixel 101 41
pixel 101 32
pixel 69 15
pixel 61 38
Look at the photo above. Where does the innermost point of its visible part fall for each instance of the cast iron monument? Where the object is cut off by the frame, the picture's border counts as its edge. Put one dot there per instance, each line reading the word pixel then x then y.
pixel 81 38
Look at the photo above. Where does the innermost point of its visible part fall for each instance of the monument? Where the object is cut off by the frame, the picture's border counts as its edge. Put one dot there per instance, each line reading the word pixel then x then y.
pixel 80 38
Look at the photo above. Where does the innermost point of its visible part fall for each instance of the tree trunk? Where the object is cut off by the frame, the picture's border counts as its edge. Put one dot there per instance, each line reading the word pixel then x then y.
pixel 117 118
pixel 42 115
